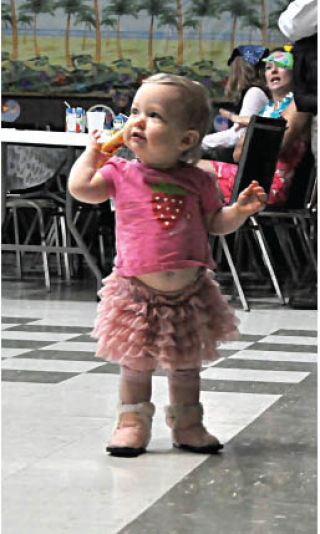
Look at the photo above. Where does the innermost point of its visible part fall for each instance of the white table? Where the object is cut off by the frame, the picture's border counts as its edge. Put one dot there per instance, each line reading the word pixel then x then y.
pixel 42 137
pixel 67 140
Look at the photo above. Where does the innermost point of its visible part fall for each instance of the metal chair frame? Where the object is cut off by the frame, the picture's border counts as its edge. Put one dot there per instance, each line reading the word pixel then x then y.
pixel 53 235
pixel 256 163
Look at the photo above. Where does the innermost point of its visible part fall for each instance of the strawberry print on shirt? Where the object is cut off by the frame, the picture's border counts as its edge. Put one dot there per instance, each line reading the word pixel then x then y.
pixel 168 204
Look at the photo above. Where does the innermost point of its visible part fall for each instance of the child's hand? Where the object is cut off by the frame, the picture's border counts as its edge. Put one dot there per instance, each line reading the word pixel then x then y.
pixel 252 199
pixel 94 149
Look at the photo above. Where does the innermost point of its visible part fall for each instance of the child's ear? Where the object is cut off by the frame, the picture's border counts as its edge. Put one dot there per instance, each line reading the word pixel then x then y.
pixel 189 139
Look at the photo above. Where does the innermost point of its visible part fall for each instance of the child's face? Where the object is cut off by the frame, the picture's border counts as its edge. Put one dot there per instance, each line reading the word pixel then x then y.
pixel 155 130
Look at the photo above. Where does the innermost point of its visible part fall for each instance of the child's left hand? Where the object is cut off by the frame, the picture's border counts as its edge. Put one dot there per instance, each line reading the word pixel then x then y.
pixel 252 199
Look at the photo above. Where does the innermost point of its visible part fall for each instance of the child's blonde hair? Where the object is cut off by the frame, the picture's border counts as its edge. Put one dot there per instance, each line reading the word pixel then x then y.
pixel 195 109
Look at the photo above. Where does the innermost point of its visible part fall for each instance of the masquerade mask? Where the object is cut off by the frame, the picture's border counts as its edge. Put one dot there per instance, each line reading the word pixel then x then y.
pixel 281 59
pixel 251 53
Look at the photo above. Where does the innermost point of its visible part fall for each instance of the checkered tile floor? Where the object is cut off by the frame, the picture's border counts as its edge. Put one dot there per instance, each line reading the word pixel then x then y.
pixel 39 353
pixel 58 412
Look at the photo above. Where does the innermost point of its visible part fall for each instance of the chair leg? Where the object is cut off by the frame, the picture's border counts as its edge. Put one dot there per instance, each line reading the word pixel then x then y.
pixel 233 270
pixel 30 232
pixel 288 252
pixel 266 258
pixel 64 244
pixel 102 252
pixel 251 254
pixel 44 252
pixel 55 231
pixel 302 230
pixel 17 242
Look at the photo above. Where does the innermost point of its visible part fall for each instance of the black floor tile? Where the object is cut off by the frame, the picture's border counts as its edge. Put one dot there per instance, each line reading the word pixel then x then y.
pixel 263 365
pixel 284 332
pixel 68 355
pixel 24 343
pixel 283 347
pixel 40 377
pixel 48 328
pixel 112 368
pixel 18 320
pixel 83 339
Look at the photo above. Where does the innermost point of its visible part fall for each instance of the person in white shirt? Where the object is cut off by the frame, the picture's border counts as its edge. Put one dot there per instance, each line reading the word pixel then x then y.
pixel 299 23
pixel 299 20
pixel 245 88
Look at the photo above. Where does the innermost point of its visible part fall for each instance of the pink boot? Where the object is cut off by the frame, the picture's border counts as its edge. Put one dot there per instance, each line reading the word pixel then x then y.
pixel 133 431
pixel 188 431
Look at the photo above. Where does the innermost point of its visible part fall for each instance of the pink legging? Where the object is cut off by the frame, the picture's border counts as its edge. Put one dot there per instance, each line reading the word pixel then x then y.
pixel 184 385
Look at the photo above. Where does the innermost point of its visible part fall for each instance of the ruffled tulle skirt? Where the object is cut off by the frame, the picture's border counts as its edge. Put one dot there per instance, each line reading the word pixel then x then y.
pixel 145 329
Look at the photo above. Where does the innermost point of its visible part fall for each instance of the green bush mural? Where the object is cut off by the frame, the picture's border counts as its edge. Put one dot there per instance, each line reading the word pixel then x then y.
pixel 103 47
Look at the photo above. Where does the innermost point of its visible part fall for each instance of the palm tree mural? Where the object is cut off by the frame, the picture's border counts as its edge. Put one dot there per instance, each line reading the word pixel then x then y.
pixel 236 9
pixel 86 17
pixel 199 10
pixel 9 17
pixel 120 8
pixel 98 30
pixel 192 25
pixel 71 7
pixel 264 22
pixel 6 19
pixel 180 32
pixel 108 22
pixel 274 15
pixel 26 22
pixel 35 8
pixel 168 19
pixel 154 9
pixel 252 23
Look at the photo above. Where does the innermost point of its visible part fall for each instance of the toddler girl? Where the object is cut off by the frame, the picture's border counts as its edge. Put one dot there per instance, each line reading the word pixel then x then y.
pixel 161 308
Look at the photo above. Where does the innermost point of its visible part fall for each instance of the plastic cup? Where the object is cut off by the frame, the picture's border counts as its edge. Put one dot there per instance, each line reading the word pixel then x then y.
pixel 96 120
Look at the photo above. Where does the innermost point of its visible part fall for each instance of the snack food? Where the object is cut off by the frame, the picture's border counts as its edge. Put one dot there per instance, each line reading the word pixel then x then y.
pixel 113 144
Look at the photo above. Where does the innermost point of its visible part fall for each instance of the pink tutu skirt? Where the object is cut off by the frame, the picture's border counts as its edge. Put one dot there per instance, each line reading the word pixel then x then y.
pixel 144 329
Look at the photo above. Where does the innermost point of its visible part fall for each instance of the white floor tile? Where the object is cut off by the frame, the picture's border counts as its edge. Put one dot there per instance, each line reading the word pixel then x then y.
pixel 6 326
pixel 291 340
pixel 10 353
pixel 268 321
pixel 38 336
pixel 253 375
pixel 72 319
pixel 58 309
pixel 273 356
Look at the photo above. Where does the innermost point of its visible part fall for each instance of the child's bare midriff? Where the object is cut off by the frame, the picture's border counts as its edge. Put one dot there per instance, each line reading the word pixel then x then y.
pixel 170 280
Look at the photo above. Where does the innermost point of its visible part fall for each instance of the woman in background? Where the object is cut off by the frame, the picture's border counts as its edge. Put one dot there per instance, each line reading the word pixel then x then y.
pixel 246 89
pixel 278 73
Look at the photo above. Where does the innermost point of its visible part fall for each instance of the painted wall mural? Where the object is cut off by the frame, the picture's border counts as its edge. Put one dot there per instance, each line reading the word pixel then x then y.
pixel 107 47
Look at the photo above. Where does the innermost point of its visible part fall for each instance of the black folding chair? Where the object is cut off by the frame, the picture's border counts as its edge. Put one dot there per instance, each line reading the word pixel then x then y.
pixel 257 162
pixel 295 224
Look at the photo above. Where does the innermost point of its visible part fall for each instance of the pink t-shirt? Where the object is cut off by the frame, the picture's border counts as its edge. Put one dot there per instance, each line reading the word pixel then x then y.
pixel 160 216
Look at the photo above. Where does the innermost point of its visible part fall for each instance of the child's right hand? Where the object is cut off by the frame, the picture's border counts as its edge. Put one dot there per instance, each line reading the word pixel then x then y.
pixel 86 183
pixel 93 149
pixel 108 148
